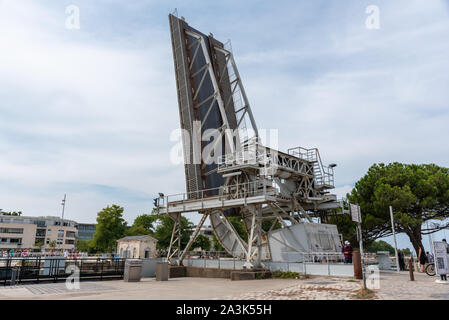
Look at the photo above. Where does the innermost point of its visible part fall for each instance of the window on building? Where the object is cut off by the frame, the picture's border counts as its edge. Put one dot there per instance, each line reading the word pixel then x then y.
pixel 70 241
pixel 47 241
pixel 11 230
pixel 49 231
pixel 147 253
pixel 70 234
pixel 40 232
pixel 40 223
pixel 60 233
pixel 134 252
pixel 59 241
pixel 15 240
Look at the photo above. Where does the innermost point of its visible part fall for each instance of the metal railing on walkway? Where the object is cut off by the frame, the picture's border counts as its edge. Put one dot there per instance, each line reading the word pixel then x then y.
pixel 37 269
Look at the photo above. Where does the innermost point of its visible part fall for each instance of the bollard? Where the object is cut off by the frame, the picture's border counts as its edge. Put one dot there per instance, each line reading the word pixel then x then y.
pixel 410 270
pixel 357 262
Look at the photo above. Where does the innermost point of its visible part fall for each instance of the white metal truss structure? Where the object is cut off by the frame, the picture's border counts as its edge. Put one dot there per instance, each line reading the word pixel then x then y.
pixel 260 184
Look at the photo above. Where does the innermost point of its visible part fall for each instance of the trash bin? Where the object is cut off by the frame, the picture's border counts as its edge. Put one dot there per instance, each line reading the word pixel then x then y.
pixel 162 271
pixel 14 273
pixel 133 270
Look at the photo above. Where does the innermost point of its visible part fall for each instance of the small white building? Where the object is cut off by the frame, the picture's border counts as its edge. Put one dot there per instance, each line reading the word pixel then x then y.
pixel 143 247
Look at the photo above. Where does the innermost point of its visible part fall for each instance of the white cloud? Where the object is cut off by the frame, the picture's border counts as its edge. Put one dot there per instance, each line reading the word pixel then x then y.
pixel 96 106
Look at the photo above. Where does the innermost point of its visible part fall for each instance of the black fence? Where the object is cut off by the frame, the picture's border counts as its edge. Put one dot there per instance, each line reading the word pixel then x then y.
pixel 37 269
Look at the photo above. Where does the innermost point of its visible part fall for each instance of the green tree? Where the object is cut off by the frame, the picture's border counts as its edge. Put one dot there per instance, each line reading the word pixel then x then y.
pixel 84 245
pixel 146 221
pixel 266 225
pixel 137 231
pixel 417 193
pixel 406 251
pixel 52 244
pixel 239 226
pixel 217 244
pixel 202 242
pixel 380 245
pixel 110 227
pixel 39 243
pixel 164 230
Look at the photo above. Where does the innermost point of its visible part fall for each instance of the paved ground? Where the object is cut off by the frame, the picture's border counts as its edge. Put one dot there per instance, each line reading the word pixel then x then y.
pixel 148 288
pixel 392 286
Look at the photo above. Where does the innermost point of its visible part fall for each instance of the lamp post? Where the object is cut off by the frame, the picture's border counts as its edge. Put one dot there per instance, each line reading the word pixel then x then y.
pixel 63 207
pixel 395 243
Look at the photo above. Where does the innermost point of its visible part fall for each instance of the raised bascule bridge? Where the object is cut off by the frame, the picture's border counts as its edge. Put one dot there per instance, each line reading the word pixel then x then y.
pixel 230 173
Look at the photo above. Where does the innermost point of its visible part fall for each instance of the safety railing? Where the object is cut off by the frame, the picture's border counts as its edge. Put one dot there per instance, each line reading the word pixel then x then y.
pixel 245 157
pixel 24 270
pixel 309 155
pixel 242 190
pixel 324 175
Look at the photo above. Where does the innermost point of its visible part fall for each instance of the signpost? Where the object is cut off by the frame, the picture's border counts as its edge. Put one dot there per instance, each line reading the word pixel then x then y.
pixel 357 217
pixel 395 243
pixel 441 258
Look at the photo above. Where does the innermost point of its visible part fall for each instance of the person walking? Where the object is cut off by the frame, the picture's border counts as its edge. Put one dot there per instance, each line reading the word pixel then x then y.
pixel 347 252
pixel 429 257
pixel 401 260
pixel 422 257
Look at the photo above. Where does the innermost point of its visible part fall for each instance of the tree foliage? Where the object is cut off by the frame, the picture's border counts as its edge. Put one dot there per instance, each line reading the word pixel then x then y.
pixel 417 193
pixel 137 231
pixel 52 244
pixel 202 242
pixel 146 221
pixel 164 230
pixel 110 227
pixel 380 245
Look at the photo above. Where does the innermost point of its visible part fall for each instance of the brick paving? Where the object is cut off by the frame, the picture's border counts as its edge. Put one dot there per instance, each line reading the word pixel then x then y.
pixel 393 286
pixel 53 288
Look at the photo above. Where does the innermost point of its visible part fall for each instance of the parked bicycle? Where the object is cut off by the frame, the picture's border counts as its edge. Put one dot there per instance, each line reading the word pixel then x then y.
pixel 430 269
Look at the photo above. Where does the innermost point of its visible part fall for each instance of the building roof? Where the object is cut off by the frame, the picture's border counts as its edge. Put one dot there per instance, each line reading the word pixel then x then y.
pixel 136 238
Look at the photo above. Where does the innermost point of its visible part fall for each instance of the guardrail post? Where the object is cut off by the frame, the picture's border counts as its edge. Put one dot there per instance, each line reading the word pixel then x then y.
pixel 38 261
pixel 305 265
pixel 410 270
pixel 102 265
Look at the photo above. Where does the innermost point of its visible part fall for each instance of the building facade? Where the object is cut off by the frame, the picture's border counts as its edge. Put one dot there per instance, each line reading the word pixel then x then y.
pixel 21 232
pixel 86 231
pixel 143 247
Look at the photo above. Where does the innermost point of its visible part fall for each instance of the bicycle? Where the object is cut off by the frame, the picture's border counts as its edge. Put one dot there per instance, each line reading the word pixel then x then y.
pixel 430 269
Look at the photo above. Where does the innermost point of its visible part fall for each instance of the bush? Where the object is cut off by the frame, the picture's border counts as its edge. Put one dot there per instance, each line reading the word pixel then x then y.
pixel 286 274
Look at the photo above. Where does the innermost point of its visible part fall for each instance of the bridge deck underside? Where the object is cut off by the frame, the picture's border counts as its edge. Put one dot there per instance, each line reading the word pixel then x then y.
pixel 218 202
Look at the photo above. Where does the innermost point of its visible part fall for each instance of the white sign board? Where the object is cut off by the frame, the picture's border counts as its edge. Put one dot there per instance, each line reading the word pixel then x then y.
pixel 441 259
pixel 355 213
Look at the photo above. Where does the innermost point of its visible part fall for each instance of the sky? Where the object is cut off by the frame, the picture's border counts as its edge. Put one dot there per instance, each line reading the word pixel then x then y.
pixel 88 112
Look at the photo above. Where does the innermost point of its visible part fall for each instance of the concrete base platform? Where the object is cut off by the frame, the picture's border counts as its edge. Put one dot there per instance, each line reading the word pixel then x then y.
pixel 250 275
pixel 176 271
pixel 201 272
